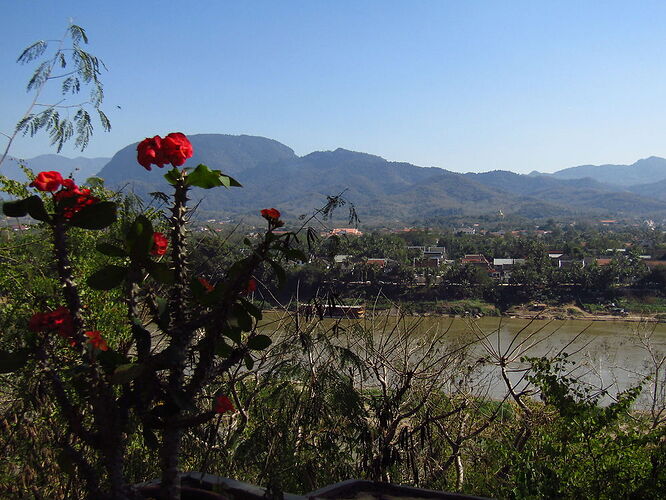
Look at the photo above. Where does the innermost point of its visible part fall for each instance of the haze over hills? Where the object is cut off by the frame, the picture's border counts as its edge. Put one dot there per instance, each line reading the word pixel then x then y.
pixel 641 172
pixel 81 168
pixel 391 192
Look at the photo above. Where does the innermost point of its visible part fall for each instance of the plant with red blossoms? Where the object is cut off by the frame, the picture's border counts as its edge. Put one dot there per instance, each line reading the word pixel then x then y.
pixel 185 334
pixel 160 244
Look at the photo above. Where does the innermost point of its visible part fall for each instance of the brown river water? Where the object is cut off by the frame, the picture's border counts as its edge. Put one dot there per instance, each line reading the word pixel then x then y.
pixel 612 355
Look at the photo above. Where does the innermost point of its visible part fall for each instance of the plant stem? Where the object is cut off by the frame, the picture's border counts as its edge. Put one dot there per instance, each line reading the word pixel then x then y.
pixel 180 340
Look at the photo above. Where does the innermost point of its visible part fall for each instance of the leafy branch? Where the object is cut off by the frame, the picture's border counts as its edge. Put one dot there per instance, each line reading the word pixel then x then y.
pixel 82 71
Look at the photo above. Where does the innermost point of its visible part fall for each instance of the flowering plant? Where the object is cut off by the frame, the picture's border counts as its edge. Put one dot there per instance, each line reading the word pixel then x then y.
pixel 163 388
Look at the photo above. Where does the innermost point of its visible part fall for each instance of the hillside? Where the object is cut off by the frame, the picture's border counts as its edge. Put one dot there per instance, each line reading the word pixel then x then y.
pixel 641 172
pixel 383 191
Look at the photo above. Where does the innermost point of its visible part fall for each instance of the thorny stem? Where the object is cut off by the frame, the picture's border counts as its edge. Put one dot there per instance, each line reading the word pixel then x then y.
pixel 180 340
pixel 69 288
pixel 107 415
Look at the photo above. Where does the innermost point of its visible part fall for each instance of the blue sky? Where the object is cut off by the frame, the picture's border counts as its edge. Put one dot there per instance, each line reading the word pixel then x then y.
pixel 466 85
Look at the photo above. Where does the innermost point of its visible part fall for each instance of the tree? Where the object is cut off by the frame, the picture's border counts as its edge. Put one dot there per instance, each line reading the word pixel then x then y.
pixel 76 70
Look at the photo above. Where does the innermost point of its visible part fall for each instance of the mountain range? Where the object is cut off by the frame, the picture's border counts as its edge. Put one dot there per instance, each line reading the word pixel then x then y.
pixel 80 168
pixel 388 192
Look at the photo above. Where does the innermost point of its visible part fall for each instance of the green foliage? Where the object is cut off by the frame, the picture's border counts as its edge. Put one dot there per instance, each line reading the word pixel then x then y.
pixel 79 70
pixel 206 178
pixel 97 216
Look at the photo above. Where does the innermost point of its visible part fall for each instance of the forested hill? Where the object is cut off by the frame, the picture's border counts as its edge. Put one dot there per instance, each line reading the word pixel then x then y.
pixel 383 191
pixel 643 171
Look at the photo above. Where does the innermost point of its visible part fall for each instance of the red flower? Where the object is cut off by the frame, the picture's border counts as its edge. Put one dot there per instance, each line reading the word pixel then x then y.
pixel 72 199
pixel 223 404
pixel 204 282
pixel 270 214
pixel 251 287
pixel 176 148
pixel 97 341
pixel 160 244
pixel 59 320
pixel 149 152
pixel 47 181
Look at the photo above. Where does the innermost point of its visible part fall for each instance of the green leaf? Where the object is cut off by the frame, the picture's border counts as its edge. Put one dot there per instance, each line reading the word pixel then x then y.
pixel 161 272
pixel 140 238
pixel 124 374
pixel 35 207
pixel 163 313
pixel 251 308
pixel 12 361
pixel 232 332
pixel 279 272
pixel 238 316
pixel 110 250
pixel 107 278
pixel 206 178
pixel 249 362
pixel 197 289
pixel 97 216
pixel 223 349
pixel 259 342
pixel 172 176
pixel 15 208
pixel 110 360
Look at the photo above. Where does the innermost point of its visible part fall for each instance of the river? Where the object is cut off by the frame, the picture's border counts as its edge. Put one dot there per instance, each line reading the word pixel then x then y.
pixel 612 355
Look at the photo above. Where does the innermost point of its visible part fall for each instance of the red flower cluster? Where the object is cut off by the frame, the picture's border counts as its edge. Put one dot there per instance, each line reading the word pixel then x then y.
pixel 223 404
pixel 272 215
pixel 160 244
pixel 175 148
pixel 96 340
pixel 59 320
pixel 73 199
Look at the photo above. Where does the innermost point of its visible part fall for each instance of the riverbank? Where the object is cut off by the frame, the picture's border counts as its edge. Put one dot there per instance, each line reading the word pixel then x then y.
pixel 571 311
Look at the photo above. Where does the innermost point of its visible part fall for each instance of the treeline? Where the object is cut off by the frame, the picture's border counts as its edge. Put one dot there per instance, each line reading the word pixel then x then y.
pixel 538 279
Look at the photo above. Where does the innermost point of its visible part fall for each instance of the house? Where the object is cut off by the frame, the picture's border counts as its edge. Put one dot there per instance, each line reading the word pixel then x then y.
pixel 478 260
pixel 339 259
pixel 566 261
pixel 431 257
pixel 504 267
pixel 381 263
pixel 351 231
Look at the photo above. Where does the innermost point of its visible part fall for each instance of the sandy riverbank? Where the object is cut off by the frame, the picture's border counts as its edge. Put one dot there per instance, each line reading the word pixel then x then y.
pixel 571 311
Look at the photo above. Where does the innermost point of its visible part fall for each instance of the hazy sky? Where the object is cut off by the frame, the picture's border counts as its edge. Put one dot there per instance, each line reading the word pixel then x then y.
pixel 466 85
